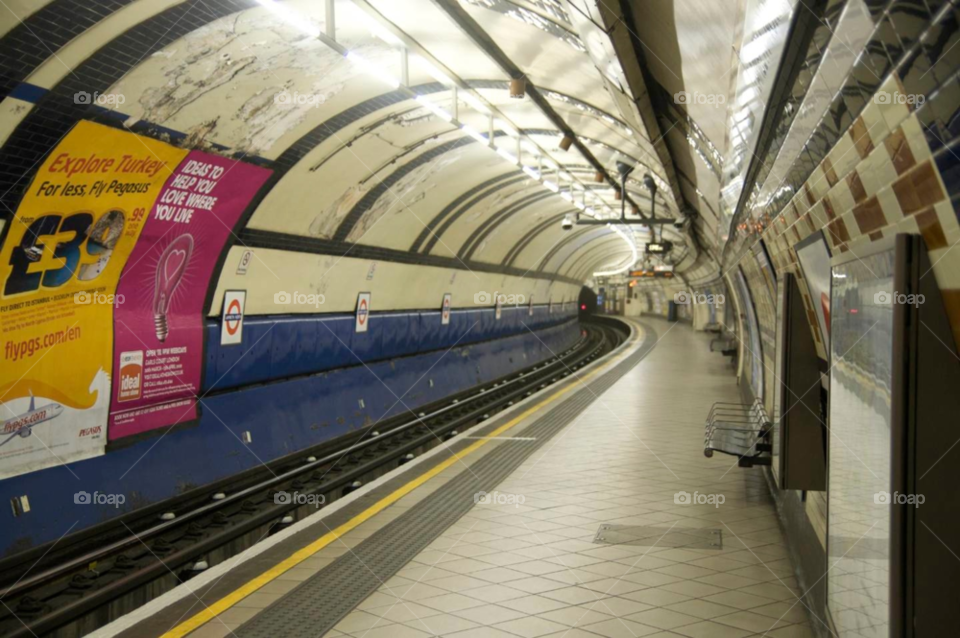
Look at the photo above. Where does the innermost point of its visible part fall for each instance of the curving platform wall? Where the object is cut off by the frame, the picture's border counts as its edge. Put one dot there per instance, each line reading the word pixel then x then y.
pixel 281 409
pixel 282 346
pixel 156 155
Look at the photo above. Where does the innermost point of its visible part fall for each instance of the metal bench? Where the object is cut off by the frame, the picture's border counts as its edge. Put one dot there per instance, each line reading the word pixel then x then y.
pixel 726 345
pixel 741 430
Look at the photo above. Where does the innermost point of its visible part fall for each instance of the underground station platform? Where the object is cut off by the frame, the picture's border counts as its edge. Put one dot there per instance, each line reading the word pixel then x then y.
pixel 479 318
pixel 586 509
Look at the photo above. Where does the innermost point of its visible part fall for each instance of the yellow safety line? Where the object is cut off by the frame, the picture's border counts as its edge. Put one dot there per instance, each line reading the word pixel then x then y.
pixel 212 611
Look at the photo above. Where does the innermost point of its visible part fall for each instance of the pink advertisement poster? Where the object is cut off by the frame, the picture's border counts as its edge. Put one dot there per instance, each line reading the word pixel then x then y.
pixel 158 317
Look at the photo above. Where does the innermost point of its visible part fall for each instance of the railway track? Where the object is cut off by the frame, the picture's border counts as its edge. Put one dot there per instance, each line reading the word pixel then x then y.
pixel 68 590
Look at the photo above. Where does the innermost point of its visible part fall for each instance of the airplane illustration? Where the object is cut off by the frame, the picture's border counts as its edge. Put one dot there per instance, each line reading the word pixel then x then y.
pixel 23 424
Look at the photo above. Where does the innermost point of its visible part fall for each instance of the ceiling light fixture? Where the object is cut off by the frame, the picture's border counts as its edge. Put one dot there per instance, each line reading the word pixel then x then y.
pixel 373 70
pixel 507 155
pixel 517 88
pixel 433 71
pixel 509 130
pixel 474 102
pixel 475 134
pixel 433 108
pixel 291 18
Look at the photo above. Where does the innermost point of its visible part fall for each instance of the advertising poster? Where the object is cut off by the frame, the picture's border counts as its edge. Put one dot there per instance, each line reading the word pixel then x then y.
pixel 814 259
pixel 159 328
pixel 65 249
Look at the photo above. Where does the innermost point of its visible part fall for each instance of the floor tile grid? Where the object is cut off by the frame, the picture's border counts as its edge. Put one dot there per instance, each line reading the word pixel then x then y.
pixel 532 568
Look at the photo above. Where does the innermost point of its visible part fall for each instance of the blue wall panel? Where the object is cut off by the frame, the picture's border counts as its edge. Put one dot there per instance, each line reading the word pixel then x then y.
pixel 433 335
pixel 284 346
pixel 281 416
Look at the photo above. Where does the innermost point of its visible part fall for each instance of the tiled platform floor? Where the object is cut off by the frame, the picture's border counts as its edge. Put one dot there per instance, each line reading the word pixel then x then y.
pixel 533 569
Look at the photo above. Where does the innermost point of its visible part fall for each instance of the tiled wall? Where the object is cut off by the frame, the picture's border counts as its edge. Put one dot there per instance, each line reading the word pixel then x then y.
pixel 896 166
pixel 872 167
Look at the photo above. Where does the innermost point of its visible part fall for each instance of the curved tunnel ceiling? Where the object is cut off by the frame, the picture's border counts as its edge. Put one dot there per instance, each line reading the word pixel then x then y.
pixel 359 164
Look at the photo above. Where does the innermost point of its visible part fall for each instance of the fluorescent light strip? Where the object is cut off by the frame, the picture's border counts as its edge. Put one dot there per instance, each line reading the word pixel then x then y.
pixel 433 108
pixel 507 155
pixel 303 24
pixel 373 70
pixel 530 147
pixel 532 172
pixel 509 130
pixel 475 134
pixel 292 18
pixel 470 99
pixel 633 258
pixel 433 71
pixel 375 28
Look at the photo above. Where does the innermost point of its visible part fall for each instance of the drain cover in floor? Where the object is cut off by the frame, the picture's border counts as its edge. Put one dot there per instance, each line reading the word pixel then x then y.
pixel 646 535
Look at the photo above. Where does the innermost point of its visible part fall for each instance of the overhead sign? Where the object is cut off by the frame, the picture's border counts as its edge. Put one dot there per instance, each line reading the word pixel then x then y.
pixel 165 285
pixel 363 312
pixel 660 247
pixel 651 273
pixel 445 309
pixel 231 326
pixel 59 266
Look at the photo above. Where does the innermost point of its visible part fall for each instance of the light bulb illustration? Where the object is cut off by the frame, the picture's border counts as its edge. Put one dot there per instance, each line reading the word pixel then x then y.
pixel 170 269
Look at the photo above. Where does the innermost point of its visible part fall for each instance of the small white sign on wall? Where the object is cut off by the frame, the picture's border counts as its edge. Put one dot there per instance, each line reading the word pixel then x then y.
pixel 363 312
pixel 231 324
pixel 445 309
pixel 245 260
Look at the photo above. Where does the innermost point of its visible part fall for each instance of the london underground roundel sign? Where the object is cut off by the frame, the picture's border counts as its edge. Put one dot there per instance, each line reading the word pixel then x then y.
pixel 231 325
pixel 363 312
pixel 445 309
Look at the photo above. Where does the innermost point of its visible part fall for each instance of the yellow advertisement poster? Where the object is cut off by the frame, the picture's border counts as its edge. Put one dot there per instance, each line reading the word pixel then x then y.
pixel 59 267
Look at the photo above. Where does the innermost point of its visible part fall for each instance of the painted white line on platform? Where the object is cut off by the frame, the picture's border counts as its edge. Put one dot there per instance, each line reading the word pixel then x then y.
pixel 215 573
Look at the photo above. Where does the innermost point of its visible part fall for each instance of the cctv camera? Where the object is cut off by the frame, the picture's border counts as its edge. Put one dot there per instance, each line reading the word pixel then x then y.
pixel 679 224
pixel 624 169
pixel 649 184
pixel 566 224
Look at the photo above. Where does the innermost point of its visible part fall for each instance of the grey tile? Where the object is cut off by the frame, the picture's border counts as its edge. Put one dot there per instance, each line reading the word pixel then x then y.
pixel 663 618
pixel 490 614
pixel 621 628
pixel 532 605
pixel 530 626
pixel 442 624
